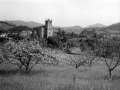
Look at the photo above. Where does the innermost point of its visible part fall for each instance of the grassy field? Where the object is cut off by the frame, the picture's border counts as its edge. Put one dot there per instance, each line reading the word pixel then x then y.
pixel 45 77
pixel 59 77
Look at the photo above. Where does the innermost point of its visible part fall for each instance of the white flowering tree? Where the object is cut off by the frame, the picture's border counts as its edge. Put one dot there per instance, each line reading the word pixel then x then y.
pixel 27 53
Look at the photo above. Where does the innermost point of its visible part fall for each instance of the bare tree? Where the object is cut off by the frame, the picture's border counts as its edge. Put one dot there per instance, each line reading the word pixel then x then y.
pixel 89 58
pixel 109 50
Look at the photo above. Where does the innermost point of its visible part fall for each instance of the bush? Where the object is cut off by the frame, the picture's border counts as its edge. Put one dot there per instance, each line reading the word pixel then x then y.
pixel 64 39
pixel 54 42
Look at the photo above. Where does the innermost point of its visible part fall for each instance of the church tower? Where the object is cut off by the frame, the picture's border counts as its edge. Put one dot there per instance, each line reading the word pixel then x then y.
pixel 49 30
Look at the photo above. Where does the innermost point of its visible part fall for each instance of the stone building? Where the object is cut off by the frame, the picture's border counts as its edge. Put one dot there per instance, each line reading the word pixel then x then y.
pixel 88 34
pixel 44 31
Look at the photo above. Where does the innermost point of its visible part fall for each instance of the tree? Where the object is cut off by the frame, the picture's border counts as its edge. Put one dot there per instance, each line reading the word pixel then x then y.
pixel 59 33
pixel 109 51
pixel 89 58
pixel 25 53
pixel 64 39
pixel 54 41
pixel 63 33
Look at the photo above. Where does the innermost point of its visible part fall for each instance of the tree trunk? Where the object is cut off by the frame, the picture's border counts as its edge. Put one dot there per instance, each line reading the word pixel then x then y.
pixel 110 73
pixel 27 68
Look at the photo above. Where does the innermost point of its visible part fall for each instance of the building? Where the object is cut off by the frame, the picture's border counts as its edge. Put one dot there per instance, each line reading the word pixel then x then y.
pixel 109 33
pixel 88 34
pixel 44 31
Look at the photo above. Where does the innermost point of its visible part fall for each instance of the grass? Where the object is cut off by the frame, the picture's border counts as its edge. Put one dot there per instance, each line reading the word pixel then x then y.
pixel 59 77
pixel 44 77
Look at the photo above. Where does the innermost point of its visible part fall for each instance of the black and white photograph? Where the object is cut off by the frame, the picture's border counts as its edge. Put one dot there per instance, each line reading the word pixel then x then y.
pixel 59 44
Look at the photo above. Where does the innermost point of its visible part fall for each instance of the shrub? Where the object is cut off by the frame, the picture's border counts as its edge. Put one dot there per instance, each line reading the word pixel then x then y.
pixel 54 41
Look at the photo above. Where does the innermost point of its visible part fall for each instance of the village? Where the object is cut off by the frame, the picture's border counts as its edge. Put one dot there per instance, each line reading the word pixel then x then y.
pixel 59 45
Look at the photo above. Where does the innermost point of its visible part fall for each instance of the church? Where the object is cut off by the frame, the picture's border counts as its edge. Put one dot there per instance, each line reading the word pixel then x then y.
pixel 44 31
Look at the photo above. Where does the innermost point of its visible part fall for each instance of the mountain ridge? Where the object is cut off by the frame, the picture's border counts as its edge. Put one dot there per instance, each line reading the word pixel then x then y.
pixel 32 24
pixel 76 29
pixel 99 25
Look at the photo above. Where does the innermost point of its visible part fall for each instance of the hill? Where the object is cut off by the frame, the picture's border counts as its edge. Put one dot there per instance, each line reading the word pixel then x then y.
pixel 30 24
pixel 114 28
pixel 96 25
pixel 5 25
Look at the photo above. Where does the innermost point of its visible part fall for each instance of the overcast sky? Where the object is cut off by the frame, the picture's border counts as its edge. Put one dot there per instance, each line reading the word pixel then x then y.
pixel 62 12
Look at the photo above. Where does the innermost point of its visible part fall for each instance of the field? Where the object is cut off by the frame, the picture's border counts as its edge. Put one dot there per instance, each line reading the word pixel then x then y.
pixel 49 77
pixel 64 76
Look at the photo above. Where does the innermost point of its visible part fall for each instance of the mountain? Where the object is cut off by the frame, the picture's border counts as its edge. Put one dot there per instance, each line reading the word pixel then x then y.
pixel 96 25
pixel 5 25
pixel 114 28
pixel 30 24
pixel 99 28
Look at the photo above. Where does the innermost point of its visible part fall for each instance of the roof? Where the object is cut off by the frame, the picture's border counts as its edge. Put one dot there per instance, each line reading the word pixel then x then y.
pixel 87 33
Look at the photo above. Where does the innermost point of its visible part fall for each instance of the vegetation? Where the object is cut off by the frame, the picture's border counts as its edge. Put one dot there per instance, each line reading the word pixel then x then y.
pixel 105 49
pixel 109 50
pixel 54 42
pixel 84 70
pixel 29 53
pixel 26 52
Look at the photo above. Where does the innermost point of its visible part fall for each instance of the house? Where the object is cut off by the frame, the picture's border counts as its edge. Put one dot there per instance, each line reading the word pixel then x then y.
pixel 88 34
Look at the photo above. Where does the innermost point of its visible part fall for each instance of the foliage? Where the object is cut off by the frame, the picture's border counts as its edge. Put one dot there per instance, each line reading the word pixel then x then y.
pixel 64 39
pixel 25 34
pixel 18 28
pixel 25 53
pixel 59 33
pixel 19 32
pixel 54 41
pixel 109 51
pixel 87 44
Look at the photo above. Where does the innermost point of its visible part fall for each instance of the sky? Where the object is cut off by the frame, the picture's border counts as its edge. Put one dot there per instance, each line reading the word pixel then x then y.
pixel 62 12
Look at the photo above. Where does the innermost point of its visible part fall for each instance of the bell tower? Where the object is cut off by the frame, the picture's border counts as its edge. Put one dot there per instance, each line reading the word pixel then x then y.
pixel 49 30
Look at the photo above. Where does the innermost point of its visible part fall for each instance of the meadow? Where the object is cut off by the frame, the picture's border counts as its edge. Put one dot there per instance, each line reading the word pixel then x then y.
pixel 58 77
pixel 62 76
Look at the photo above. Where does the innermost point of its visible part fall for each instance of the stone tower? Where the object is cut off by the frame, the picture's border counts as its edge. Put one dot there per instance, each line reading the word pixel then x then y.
pixel 49 30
